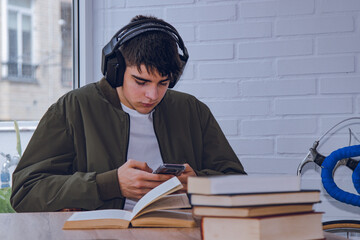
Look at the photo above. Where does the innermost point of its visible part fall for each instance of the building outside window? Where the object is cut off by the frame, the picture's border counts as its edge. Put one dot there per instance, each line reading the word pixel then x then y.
pixel 36 56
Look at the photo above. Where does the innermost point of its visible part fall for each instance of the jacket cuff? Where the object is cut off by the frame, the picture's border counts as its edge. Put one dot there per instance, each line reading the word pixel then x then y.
pixel 108 185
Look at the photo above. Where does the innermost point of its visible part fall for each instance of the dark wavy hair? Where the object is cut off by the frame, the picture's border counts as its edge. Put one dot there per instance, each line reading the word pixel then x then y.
pixel 156 50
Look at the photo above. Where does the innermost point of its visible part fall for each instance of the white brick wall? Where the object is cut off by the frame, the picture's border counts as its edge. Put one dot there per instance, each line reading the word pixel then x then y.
pixel 276 74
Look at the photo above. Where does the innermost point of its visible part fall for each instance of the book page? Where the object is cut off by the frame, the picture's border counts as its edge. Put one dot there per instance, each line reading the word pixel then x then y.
pixel 164 218
pixel 172 201
pixel 101 214
pixel 165 188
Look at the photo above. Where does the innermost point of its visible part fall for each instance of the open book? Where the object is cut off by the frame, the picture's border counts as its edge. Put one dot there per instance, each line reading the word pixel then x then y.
pixel 149 211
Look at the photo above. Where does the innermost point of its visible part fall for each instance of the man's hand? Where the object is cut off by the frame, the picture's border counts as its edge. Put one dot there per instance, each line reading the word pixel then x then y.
pixel 184 177
pixel 136 179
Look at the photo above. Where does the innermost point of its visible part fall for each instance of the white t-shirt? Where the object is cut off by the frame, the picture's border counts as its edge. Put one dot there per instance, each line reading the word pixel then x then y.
pixel 143 144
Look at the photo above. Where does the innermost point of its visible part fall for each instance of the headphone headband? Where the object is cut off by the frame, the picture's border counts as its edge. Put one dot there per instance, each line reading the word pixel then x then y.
pixel 128 32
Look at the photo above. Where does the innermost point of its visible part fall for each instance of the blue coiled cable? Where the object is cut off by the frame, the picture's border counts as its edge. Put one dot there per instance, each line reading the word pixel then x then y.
pixel 356 178
pixel 328 180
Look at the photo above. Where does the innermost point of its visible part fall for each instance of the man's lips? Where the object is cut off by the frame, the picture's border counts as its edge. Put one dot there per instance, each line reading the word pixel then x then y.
pixel 148 104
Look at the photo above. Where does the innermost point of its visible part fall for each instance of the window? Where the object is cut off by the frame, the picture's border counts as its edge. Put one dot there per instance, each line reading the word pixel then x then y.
pixel 19 41
pixel 36 56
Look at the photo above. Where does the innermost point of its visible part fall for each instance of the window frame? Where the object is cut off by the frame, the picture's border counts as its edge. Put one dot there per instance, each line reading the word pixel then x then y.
pixel 83 36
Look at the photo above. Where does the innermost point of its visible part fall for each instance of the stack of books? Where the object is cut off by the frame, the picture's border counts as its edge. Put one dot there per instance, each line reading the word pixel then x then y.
pixel 264 207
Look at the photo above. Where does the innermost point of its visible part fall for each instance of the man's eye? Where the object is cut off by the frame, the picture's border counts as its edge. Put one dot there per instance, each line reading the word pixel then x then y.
pixel 164 83
pixel 140 83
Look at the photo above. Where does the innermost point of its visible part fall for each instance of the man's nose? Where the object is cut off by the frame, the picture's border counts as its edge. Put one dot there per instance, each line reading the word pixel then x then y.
pixel 152 93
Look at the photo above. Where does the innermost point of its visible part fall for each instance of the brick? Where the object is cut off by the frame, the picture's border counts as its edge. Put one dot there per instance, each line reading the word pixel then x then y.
pixel 187 33
pixel 258 9
pixel 314 25
pixel 313 65
pixel 146 3
pixel 229 126
pixel 123 16
pixel 340 5
pixel 314 105
pixel 340 85
pixel 209 89
pixel 292 145
pixel 295 7
pixel 235 70
pixel 251 146
pixel 273 165
pixel 276 48
pixel 234 31
pixel 268 127
pixel 338 44
pixel 276 8
pixel 202 13
pixel 288 87
pixel 211 51
pixel 239 108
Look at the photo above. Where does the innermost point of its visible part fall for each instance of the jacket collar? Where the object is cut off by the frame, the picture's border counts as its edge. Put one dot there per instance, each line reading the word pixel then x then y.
pixel 109 93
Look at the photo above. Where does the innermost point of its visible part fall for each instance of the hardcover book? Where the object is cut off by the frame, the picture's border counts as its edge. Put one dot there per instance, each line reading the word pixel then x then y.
pixel 232 184
pixel 255 199
pixel 256 211
pixel 302 226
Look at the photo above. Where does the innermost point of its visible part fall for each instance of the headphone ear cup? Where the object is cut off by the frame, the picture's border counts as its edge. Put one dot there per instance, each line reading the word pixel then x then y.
pixel 172 83
pixel 115 70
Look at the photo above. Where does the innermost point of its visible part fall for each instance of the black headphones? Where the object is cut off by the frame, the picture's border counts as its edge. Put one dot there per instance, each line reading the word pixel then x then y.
pixel 113 64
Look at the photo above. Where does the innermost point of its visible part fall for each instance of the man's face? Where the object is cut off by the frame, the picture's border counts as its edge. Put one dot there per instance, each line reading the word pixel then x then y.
pixel 142 91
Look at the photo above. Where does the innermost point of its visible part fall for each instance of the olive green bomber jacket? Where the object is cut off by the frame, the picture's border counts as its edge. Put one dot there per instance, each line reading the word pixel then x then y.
pixel 72 157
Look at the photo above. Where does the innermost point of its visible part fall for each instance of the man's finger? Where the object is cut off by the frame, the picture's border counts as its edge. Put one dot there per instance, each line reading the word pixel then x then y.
pixel 139 165
pixel 157 177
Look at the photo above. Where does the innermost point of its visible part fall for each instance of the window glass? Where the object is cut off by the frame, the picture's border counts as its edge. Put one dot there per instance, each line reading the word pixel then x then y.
pixel 12 43
pixel 36 56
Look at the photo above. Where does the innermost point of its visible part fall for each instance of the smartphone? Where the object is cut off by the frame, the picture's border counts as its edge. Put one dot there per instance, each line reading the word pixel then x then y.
pixel 169 168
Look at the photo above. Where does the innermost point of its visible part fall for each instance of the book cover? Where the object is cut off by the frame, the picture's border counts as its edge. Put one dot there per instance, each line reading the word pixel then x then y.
pixel 255 199
pixel 231 184
pixel 148 211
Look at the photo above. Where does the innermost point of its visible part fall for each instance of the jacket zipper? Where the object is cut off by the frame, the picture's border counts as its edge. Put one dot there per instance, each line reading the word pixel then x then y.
pixel 127 149
pixel 128 136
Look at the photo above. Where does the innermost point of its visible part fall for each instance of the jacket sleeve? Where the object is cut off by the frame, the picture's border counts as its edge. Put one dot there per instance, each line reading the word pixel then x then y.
pixel 218 156
pixel 47 178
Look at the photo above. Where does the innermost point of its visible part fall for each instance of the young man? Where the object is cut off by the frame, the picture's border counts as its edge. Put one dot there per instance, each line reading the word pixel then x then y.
pixel 97 146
